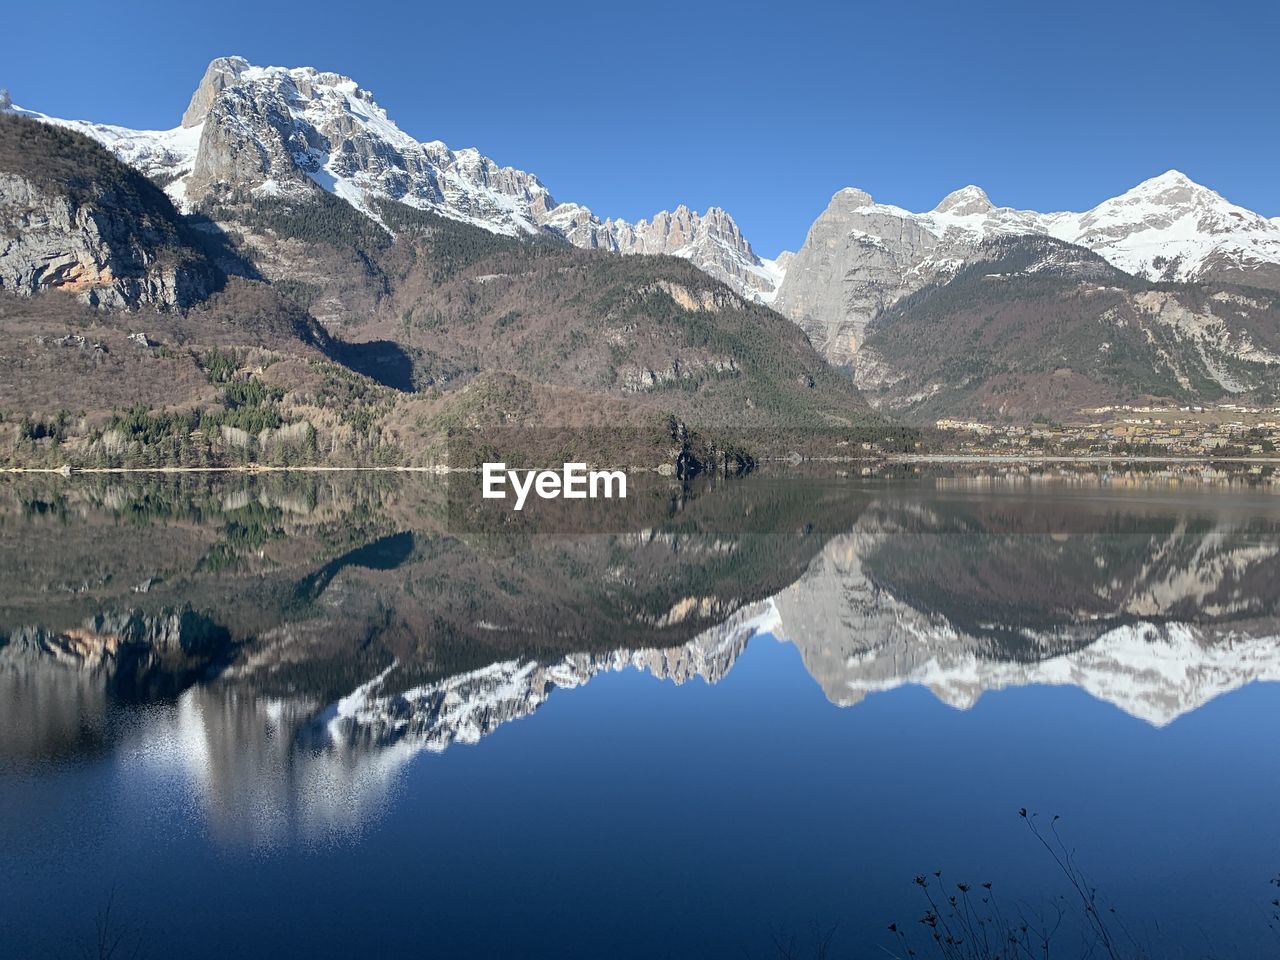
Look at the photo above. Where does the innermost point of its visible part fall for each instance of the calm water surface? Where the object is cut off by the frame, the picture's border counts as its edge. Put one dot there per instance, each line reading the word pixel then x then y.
pixel 309 717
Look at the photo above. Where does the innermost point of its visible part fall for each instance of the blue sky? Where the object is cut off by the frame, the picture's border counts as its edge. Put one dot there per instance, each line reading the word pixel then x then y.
pixel 763 109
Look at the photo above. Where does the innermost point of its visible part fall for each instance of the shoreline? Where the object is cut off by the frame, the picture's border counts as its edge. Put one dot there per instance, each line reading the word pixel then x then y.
pixel 1063 458
pixel 252 468
pixel 442 470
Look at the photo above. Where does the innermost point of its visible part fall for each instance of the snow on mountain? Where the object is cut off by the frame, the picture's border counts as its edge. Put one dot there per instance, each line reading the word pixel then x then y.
pixel 1189 618
pixel 166 156
pixel 277 130
pixel 274 131
pixel 1155 672
pixel 1166 228
pixel 712 240
pixel 860 256
pixel 1171 228
pixel 857 636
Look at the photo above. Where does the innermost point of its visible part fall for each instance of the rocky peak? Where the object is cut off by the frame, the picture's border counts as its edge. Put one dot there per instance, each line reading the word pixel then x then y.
pixel 861 257
pixel 220 74
pixel 1172 228
pixel 712 240
pixel 1170 190
pixel 1169 180
pixel 671 230
pixel 966 201
pixel 683 226
pixel 852 197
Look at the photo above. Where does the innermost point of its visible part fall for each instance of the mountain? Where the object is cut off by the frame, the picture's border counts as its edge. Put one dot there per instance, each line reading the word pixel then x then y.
pixel 861 257
pixel 712 241
pixel 293 567
pixel 1031 326
pixel 77 218
pixel 308 331
pixel 1171 228
pixel 297 177
pixel 258 132
pixel 247 751
pixel 467 707
pixel 273 131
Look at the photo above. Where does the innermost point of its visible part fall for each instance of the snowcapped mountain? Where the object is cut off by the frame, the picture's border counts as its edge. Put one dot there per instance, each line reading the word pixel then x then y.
pixel 1154 672
pixel 276 131
pixel 1156 624
pixel 861 257
pixel 317 773
pixel 330 772
pixel 711 240
pixel 272 131
pixel 1171 228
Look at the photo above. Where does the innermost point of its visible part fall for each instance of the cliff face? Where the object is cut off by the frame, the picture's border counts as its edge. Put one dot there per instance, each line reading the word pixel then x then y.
pixel 857 261
pixel 101 230
pixel 92 250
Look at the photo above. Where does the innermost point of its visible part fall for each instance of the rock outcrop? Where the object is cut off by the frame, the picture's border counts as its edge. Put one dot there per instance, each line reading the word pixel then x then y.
pixel 712 240
pixel 106 234
pixel 220 74
pixel 51 242
pixel 859 259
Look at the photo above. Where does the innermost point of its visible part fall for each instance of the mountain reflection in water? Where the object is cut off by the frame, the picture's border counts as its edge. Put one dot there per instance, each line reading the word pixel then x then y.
pixel 288 644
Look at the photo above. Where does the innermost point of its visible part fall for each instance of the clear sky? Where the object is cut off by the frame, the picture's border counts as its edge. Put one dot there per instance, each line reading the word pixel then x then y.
pixel 763 109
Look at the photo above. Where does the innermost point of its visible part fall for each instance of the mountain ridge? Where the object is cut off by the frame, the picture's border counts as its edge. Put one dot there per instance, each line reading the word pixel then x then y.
pixel 340 343
pixel 1168 227
pixel 861 257
pixel 271 128
pixel 299 166
pixel 1033 326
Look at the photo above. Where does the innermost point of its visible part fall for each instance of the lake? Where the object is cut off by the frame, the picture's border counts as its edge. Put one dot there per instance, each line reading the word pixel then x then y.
pixel 315 715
